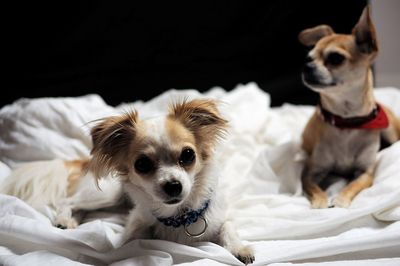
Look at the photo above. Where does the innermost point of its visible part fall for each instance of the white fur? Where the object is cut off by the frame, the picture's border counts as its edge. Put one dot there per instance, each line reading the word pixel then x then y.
pixel 88 197
pixel 38 183
pixel 44 184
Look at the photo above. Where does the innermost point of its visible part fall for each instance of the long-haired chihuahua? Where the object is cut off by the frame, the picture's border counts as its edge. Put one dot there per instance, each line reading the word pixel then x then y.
pixel 166 167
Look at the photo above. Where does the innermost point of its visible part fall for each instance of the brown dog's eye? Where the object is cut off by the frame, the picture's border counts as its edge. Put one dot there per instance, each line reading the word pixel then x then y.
pixel 144 165
pixel 187 157
pixel 334 59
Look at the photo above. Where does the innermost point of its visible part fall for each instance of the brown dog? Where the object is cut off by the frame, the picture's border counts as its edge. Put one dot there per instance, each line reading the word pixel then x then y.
pixel 342 137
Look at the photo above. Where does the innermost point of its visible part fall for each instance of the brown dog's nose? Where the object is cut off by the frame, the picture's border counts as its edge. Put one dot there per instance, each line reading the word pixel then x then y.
pixel 173 188
pixel 309 68
pixel 309 59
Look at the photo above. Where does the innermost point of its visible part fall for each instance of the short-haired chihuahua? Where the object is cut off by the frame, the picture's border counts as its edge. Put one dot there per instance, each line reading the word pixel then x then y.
pixel 342 138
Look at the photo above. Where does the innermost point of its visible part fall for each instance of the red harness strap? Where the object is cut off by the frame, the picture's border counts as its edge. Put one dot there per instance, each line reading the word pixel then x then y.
pixel 377 119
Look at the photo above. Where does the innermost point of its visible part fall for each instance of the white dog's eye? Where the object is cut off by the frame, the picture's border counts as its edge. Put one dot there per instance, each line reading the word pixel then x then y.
pixel 144 165
pixel 187 157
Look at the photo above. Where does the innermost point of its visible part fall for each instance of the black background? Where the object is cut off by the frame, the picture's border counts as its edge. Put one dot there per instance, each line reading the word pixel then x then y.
pixel 133 50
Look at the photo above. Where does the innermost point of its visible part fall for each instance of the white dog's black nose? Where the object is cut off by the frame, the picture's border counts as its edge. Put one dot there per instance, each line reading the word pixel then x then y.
pixel 173 188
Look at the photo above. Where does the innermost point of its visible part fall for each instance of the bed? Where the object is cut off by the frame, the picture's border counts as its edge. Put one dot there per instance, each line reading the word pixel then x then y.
pixel 261 162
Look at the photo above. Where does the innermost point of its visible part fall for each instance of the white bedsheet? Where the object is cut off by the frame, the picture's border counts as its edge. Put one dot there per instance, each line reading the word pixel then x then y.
pixel 261 164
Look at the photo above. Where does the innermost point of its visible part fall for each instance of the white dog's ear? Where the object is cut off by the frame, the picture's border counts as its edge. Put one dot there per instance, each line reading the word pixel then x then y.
pixel 365 35
pixel 111 140
pixel 202 118
pixel 311 36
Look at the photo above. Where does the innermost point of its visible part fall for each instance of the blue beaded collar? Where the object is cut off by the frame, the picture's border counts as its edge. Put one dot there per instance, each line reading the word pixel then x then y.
pixel 188 217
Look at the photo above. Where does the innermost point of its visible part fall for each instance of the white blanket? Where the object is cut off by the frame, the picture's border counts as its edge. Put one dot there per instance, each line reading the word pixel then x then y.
pixel 261 164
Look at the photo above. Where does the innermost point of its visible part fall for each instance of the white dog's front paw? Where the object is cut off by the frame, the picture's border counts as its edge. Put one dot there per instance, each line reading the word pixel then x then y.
pixel 245 255
pixel 66 223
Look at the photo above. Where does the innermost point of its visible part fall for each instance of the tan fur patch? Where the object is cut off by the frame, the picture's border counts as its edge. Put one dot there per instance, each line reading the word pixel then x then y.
pixel 313 132
pixel 180 137
pixel 177 132
pixel 202 118
pixel 77 169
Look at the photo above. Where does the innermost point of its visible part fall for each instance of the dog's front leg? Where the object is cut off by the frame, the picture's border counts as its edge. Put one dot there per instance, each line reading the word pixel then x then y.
pixel 229 239
pixel 345 197
pixel 137 226
pixel 316 195
pixel 87 197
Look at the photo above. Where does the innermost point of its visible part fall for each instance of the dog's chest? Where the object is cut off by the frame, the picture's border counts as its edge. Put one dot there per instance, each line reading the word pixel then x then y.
pixel 345 150
pixel 211 222
pixel 179 235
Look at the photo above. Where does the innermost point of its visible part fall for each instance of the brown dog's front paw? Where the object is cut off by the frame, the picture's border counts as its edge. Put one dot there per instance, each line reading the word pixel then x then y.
pixel 245 255
pixel 319 203
pixel 341 202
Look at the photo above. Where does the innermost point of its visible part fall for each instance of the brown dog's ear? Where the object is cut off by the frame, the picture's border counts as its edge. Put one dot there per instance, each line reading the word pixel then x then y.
pixel 111 139
pixel 203 119
pixel 365 35
pixel 310 37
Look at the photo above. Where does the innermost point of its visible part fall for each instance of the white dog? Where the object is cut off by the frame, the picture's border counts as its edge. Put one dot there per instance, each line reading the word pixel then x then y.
pixel 166 167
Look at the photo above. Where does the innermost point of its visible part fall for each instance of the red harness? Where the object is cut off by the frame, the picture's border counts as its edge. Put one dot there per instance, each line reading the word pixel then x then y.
pixel 377 119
